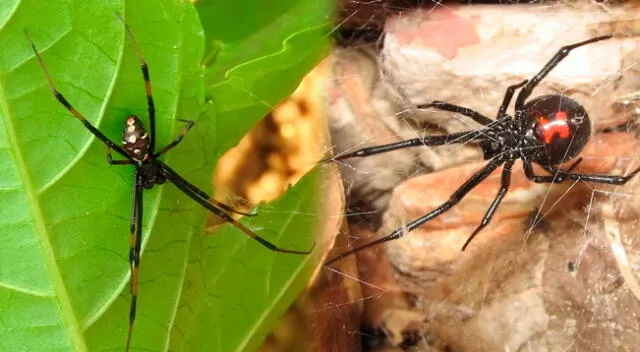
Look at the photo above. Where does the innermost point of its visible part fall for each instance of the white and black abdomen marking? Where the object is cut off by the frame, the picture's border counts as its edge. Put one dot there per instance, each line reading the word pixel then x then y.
pixel 135 138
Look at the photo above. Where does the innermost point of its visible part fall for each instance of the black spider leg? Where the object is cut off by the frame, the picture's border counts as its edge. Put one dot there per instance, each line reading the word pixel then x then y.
pixel 202 194
pixel 459 137
pixel 135 244
pixel 608 179
pixel 560 176
pixel 462 191
pixel 474 115
pixel 177 140
pixel 203 199
pixel 147 86
pixel 524 94
pixel 528 170
pixel 71 109
pixel 504 187
pixel 507 98
pixel 135 239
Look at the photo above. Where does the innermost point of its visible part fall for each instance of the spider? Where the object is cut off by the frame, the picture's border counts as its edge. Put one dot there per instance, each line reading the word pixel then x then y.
pixel 547 130
pixel 139 149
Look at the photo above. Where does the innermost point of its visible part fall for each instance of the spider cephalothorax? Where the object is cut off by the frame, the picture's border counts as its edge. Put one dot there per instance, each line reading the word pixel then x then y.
pixel 547 130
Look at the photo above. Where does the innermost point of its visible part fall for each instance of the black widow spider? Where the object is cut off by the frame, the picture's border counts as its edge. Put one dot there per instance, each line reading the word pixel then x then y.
pixel 138 148
pixel 547 130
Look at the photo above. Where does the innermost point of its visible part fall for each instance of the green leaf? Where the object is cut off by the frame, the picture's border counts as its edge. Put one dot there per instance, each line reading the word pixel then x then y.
pixel 64 272
pixel 252 68
pixel 255 66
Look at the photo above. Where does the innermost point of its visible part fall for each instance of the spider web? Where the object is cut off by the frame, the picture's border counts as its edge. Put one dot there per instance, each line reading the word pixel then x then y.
pixel 557 266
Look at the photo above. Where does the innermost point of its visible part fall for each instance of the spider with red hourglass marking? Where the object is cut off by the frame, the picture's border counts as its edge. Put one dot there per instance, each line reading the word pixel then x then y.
pixel 138 149
pixel 547 130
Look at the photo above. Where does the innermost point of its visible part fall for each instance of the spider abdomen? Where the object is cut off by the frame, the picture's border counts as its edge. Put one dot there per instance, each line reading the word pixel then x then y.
pixel 135 138
pixel 560 127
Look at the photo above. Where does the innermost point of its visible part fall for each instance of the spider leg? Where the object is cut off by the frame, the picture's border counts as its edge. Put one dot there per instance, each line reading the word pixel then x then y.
pixel 607 179
pixel 475 116
pixel 188 189
pixel 555 60
pixel 135 241
pixel 459 137
pixel 507 98
pixel 504 187
pixel 556 177
pixel 147 86
pixel 462 191
pixel 116 162
pixel 69 107
pixel 201 193
pixel 178 139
